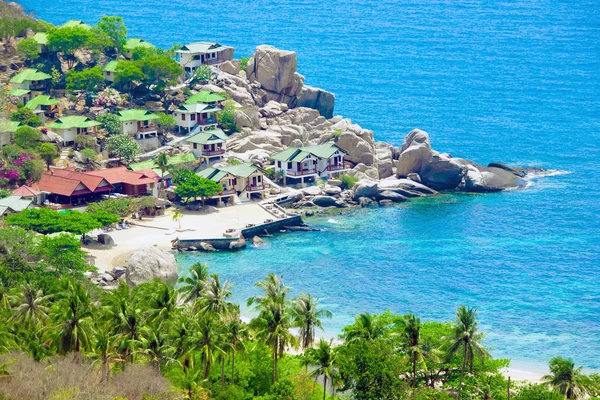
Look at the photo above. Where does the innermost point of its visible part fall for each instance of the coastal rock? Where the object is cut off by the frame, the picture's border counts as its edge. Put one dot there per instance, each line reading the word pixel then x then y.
pixel 317 99
pixel 366 202
pixel 389 195
pixel 207 246
pixel 105 239
pixel 256 240
pixel 361 171
pixel 486 179
pixel 271 109
pixel 334 182
pixel 312 191
pixel 384 156
pixel 325 201
pixel 414 177
pixel 231 67
pixel 414 153
pixel 516 171
pixel 365 188
pixel 332 190
pixel 405 187
pixel 359 150
pixel 247 118
pixel 148 263
pixel 238 244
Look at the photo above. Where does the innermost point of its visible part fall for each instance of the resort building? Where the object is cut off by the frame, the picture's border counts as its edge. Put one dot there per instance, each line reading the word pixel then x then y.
pixel 141 124
pixel 7 130
pixel 44 106
pixel 75 22
pixel 131 183
pixel 41 38
pixel 67 186
pixel 70 126
pixel 198 112
pixel 207 145
pixel 20 95
pixel 15 204
pixel 30 193
pixel 134 43
pixel 109 70
pixel 30 79
pixel 323 160
pixel 193 55
pixel 244 180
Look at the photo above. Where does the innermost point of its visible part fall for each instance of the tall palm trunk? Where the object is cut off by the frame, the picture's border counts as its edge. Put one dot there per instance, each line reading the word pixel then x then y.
pixel 275 365
pixel 462 372
pixel 223 372
pixel 232 364
pixel 414 363
pixel 324 386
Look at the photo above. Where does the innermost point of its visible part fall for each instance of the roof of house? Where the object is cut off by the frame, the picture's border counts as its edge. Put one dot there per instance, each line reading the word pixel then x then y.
pixel 110 66
pixel 123 175
pixel 15 203
pixel 324 150
pixel 135 114
pixel 240 170
pixel 208 137
pixel 193 108
pixel 41 38
pixel 41 100
pixel 174 160
pixel 75 22
pixel 29 74
pixel 73 121
pixel 18 92
pixel 204 96
pixel 66 181
pixel 135 42
pixel 25 191
pixel 9 126
pixel 202 47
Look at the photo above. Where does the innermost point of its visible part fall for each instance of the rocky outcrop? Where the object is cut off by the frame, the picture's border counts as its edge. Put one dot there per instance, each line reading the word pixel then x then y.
pixel 443 172
pixel 319 99
pixel 149 263
pixel 365 188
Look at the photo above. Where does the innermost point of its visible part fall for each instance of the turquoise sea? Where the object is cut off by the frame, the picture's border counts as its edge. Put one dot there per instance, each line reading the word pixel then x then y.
pixel 516 81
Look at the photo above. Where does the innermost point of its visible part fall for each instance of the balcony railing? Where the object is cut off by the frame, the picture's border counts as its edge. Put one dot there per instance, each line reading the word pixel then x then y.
pixel 226 192
pixel 144 129
pixel 338 167
pixel 303 172
pixel 213 152
pixel 207 121
pixel 256 188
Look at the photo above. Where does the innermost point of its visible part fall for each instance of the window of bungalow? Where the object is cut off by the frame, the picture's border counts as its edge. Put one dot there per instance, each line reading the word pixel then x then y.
pixel 289 166
pixel 193 117
pixel 195 145
pixel 183 117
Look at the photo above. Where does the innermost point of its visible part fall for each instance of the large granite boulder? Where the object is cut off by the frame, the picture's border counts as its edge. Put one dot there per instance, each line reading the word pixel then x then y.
pixel 414 153
pixel 318 99
pixel 365 188
pixel 490 179
pixel 325 201
pixel 389 195
pixel 148 263
pixel 358 149
pixel 405 187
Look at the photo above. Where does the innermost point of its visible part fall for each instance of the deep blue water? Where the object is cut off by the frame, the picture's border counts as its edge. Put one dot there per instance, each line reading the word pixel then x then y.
pixel 516 81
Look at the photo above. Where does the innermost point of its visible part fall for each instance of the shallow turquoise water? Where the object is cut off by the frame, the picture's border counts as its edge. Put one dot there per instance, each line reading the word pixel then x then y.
pixel 513 81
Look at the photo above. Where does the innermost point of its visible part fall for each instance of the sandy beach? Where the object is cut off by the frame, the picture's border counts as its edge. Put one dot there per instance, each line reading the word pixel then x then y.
pixel 160 231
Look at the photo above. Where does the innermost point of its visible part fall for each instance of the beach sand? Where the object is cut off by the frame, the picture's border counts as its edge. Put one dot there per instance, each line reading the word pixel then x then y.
pixel 160 231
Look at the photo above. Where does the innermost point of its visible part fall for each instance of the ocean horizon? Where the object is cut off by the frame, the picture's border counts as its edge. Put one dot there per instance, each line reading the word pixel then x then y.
pixel 516 82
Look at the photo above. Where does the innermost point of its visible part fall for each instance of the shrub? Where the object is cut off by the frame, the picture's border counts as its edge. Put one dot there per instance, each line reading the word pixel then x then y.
pixel 89 79
pixel 108 97
pixel 244 63
pixel 89 154
pixel 120 207
pixel 85 141
pixel 123 146
pixel 348 181
pixel 204 73
pixel 27 117
pixel 27 137
pixel 44 220
pixel 337 133
pixel 110 122
pixel 226 118
pixel 28 48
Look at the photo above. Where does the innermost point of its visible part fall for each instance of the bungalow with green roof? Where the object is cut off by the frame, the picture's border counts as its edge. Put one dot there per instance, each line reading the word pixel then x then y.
pixel 243 180
pixel 15 204
pixel 209 144
pixel 193 55
pixel 7 130
pixel 20 95
pixel 70 126
pixel 43 106
pixel 138 123
pixel 197 113
pixel 30 79
pixel 109 70
pixel 41 38
pixel 134 43
pixel 324 160
pixel 76 22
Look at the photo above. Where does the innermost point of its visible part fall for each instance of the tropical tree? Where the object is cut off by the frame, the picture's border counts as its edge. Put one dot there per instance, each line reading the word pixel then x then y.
pixel 324 357
pixel 68 40
pixel 215 296
pixel 193 286
pixel 307 317
pixel 115 29
pixel 31 306
pixel 28 48
pixel 235 333
pixel 89 79
pixel 366 327
pixel 273 323
pixel 127 75
pixel 105 350
pixel 177 217
pixel 467 339
pixel 566 379
pixel 110 122
pixel 123 146
pixel 72 316
pixel 162 162
pixel 410 334
pixel 161 301
pixel 155 344
pixel 48 152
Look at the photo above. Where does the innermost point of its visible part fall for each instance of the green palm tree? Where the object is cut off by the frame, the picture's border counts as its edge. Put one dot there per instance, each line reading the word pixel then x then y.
pixel 31 309
pixel 209 341
pixel 307 317
pixel 162 162
pixel 410 335
pixel 162 301
pixel 215 296
pixel 72 317
pixel 155 344
pixel 366 327
pixel 105 351
pixel 466 340
pixel 4 296
pixel 235 332
pixel 273 322
pixel 566 379
pixel 325 358
pixel 194 285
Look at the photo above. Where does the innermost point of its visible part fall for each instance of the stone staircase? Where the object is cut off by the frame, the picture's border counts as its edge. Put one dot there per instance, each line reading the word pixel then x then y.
pixel 62 160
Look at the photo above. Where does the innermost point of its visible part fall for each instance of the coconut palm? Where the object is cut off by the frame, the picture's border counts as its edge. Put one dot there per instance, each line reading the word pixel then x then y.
pixel 154 344
pixel 162 163
pixel 366 327
pixel 162 301
pixel 274 319
pixel 104 351
pixel 31 307
pixel 214 298
pixel 209 341
pixel 325 359
pixel 410 334
pixel 235 332
pixel 194 285
pixel 72 317
pixel 565 378
pixel 466 340
pixel 307 317
pixel 4 296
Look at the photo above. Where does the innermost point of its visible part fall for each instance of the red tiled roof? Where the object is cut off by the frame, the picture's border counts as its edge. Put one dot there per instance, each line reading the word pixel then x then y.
pixel 58 185
pixel 123 175
pixel 25 191
pixel 65 182
pixel 89 180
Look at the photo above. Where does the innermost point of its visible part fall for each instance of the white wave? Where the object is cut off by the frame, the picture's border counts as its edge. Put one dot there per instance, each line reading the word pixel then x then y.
pixel 332 221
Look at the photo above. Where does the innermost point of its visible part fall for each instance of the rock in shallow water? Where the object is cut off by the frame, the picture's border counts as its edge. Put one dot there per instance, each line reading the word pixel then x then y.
pixel 148 263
